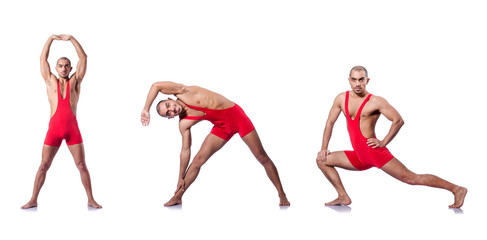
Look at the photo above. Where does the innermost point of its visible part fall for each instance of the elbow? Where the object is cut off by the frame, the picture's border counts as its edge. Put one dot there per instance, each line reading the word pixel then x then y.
pixel 400 122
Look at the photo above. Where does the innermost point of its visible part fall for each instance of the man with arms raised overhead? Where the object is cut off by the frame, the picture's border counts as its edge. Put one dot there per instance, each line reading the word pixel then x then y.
pixel 194 104
pixel 362 110
pixel 63 95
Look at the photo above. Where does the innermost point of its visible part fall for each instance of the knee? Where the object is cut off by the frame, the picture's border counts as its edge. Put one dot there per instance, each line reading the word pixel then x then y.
pixel 321 164
pixel 82 167
pixel 327 163
pixel 263 158
pixel 198 161
pixel 411 179
pixel 44 167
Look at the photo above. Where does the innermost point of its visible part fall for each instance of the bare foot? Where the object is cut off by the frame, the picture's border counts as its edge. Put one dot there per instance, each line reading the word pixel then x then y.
pixel 30 204
pixel 339 201
pixel 94 204
pixel 284 202
pixel 460 194
pixel 173 202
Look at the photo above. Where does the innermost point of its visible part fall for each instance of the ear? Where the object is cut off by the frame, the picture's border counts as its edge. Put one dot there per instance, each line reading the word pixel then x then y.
pixel 368 79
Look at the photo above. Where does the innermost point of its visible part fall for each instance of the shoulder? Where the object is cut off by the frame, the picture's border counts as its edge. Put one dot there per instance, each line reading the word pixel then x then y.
pixel 340 98
pixel 186 124
pixel 378 101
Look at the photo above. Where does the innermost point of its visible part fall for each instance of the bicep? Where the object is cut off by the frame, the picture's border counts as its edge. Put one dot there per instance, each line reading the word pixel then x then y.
pixel 389 111
pixel 334 111
pixel 169 87
pixel 185 129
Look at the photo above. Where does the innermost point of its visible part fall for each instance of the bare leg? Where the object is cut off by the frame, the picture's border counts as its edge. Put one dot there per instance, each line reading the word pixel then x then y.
pixel 78 153
pixel 336 159
pixel 211 145
pixel 48 153
pixel 253 142
pixel 396 169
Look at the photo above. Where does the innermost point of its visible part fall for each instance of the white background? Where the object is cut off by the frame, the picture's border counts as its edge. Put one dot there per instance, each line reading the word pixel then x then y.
pixel 283 62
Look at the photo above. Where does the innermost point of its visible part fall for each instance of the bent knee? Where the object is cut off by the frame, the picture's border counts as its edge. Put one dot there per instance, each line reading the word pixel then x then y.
pixel 320 164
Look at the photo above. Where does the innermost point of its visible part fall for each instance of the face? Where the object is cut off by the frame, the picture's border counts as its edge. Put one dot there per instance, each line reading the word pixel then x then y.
pixel 63 68
pixel 170 109
pixel 358 81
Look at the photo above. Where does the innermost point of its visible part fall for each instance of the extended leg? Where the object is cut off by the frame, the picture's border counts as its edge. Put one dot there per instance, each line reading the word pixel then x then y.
pixel 48 153
pixel 396 169
pixel 78 153
pixel 336 159
pixel 253 142
pixel 211 145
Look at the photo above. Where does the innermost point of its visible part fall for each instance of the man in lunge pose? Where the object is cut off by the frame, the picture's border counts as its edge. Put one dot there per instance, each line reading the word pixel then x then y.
pixel 63 94
pixel 362 110
pixel 194 104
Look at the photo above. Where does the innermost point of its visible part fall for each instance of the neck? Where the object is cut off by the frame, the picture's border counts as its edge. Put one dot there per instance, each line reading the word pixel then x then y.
pixel 183 105
pixel 361 95
pixel 63 80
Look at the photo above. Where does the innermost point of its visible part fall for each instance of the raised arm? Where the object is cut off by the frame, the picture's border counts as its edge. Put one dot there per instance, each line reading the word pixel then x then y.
pixel 184 157
pixel 393 115
pixel 81 67
pixel 45 68
pixel 330 122
pixel 163 87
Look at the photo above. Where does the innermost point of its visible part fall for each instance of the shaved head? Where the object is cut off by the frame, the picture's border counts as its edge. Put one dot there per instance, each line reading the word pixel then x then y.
pixel 64 58
pixel 358 69
pixel 158 107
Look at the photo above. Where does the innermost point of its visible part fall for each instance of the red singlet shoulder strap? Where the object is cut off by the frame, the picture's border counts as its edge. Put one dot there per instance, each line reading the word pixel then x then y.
pixel 362 106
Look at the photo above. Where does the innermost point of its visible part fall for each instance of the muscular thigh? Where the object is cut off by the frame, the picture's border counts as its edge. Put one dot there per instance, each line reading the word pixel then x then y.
pixel 339 159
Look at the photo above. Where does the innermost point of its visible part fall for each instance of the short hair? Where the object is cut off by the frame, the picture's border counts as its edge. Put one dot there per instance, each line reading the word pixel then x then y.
pixel 157 107
pixel 359 68
pixel 64 58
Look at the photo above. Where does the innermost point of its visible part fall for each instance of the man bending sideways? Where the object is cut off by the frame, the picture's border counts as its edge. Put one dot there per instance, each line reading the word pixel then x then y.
pixel 194 104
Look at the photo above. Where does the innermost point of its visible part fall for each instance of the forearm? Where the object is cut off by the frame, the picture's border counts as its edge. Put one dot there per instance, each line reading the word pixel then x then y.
pixel 327 136
pixel 79 50
pixel 151 97
pixel 184 162
pixel 396 125
pixel 45 50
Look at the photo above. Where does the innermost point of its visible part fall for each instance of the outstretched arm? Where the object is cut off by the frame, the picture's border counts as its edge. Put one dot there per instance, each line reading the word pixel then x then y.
pixel 163 87
pixel 184 157
pixel 393 115
pixel 332 117
pixel 81 67
pixel 45 68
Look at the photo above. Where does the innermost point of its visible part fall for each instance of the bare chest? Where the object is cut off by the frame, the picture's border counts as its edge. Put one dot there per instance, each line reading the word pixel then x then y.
pixel 368 110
